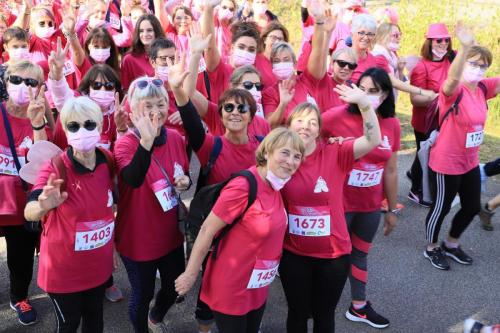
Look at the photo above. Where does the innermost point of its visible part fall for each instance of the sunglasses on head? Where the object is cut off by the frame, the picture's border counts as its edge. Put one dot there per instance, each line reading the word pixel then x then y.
pixel 440 40
pixel 242 108
pixel 107 85
pixel 249 85
pixel 144 83
pixel 344 64
pixel 73 126
pixel 14 79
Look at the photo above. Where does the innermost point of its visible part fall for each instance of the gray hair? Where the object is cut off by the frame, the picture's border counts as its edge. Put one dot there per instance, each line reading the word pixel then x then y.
pixel 347 50
pixel 364 21
pixel 283 46
pixel 136 94
pixel 25 66
pixel 239 72
pixel 80 109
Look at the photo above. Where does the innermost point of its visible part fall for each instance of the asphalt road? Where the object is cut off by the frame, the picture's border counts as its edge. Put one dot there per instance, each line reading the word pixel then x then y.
pixel 402 284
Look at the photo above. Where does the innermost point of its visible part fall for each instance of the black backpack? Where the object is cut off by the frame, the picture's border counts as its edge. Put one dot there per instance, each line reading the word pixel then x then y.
pixel 202 205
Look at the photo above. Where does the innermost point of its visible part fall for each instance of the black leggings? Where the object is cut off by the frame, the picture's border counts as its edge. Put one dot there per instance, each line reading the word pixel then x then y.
pixel 312 287
pixel 492 168
pixel 416 169
pixel 247 323
pixel 444 188
pixel 20 252
pixel 83 305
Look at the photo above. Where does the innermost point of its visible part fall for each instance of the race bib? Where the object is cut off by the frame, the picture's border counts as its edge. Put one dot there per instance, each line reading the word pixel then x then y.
pixel 260 111
pixel 202 66
pixel 93 235
pixel 8 166
pixel 69 68
pixel 165 194
pixel 263 273
pixel 309 221
pixel 474 139
pixel 114 21
pixel 362 178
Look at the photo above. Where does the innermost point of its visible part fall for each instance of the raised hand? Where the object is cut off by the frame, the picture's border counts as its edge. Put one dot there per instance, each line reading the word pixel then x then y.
pixel 177 72
pixel 287 90
pixel 464 34
pixel 197 44
pixel 68 24
pixel 210 3
pixel 57 59
pixel 330 20
pixel 175 118
pixel 352 95
pixel 120 115
pixel 146 126
pixel 36 107
pixel 51 196
pixel 317 10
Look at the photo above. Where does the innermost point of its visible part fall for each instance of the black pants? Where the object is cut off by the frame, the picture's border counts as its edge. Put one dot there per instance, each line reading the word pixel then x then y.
pixel 84 305
pixel 247 323
pixel 203 314
pixel 142 277
pixel 444 188
pixel 20 254
pixel 312 287
pixel 416 169
pixel 492 168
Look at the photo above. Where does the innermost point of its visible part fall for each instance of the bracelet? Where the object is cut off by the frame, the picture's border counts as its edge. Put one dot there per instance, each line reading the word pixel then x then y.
pixel 69 36
pixel 39 128
pixel 122 130
pixel 319 23
pixel 394 211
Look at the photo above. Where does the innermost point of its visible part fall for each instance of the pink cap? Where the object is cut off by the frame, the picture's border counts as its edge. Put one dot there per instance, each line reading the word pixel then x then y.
pixel 437 30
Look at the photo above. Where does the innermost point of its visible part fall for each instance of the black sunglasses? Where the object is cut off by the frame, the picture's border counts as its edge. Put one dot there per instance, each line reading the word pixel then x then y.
pixel 344 64
pixel 249 85
pixel 73 126
pixel 144 83
pixel 14 79
pixel 440 40
pixel 107 85
pixel 242 108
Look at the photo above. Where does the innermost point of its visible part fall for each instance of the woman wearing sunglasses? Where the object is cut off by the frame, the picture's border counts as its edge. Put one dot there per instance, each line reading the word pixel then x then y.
pixel 429 73
pixel 76 212
pixel 24 115
pixel 152 167
pixel 454 157
pixel 315 262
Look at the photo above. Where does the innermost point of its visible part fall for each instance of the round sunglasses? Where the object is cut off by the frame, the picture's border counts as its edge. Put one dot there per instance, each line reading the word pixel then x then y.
pixel 14 79
pixel 74 126
pixel 242 108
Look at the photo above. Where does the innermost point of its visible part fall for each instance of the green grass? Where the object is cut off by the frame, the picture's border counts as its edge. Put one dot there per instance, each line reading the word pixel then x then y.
pixel 415 16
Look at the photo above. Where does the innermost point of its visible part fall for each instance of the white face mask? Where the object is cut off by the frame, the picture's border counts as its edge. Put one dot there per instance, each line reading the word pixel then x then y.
pixel 100 55
pixel 439 53
pixel 162 72
pixel 276 182
pixel 18 54
pixel 473 74
pixel 394 46
pixel 44 32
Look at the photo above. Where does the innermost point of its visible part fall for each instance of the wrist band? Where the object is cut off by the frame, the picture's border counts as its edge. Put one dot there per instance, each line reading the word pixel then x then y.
pixel 41 127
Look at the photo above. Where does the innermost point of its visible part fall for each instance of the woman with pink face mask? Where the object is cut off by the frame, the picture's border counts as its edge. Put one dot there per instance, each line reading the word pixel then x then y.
pixel 454 156
pixel 224 16
pixel 25 117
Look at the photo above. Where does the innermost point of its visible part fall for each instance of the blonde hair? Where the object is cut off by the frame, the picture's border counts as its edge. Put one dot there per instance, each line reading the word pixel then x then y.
pixel 304 108
pixel 25 66
pixel 41 10
pixel 483 52
pixel 280 47
pixel 278 138
pixel 347 50
pixel 136 94
pixel 80 109
pixel 384 32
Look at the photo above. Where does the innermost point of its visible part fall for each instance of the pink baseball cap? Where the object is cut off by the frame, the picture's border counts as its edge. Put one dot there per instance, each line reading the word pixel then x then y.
pixel 437 30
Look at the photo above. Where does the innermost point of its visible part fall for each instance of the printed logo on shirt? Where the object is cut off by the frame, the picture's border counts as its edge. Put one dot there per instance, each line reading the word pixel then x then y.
pixel 77 185
pixel 110 199
pixel 178 171
pixel 311 100
pixel 27 143
pixel 385 145
pixel 320 186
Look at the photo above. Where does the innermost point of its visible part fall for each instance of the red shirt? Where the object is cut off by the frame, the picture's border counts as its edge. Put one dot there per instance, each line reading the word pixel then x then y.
pixel 76 245
pixel 232 158
pixel 367 62
pixel 134 66
pixel 172 108
pixel 325 96
pixel 313 196
pixel 144 231
pixel 456 150
pixel 363 188
pixel 265 69
pixel 427 75
pixel 258 126
pixel 224 288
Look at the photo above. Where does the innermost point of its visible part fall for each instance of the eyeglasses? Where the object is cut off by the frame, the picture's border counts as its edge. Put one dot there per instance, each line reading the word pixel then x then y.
pixel 248 85
pixel 73 126
pixel 397 35
pixel 242 108
pixel 107 85
pixel 344 64
pixel 14 79
pixel 441 40
pixel 477 65
pixel 366 34
pixel 144 83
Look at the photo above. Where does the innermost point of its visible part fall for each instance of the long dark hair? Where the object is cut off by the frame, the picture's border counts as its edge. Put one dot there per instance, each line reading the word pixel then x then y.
pixel 137 46
pixel 382 81
pixel 94 72
pixel 103 35
pixel 426 51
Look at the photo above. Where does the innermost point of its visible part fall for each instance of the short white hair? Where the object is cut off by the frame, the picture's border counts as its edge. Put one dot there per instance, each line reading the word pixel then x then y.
pixel 363 21
pixel 80 109
pixel 136 94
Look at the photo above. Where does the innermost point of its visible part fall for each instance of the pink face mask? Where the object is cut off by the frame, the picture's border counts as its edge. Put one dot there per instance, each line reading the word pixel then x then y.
pixel 375 100
pixel 276 182
pixel 100 55
pixel 225 14
pixel 242 58
pixel 394 47
pixel 83 140
pixel 19 94
pixel 45 32
pixel 162 72
pixel 103 98
pixel 283 70
pixel 472 74
pixel 21 53
pixel 439 53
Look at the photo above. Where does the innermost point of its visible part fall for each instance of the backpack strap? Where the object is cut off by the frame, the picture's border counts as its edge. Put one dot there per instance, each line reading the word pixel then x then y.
pixel 58 164
pixel 214 154
pixel 252 195
pixel 454 107
pixel 206 80
pixel 109 161
pixel 259 137
pixel 483 88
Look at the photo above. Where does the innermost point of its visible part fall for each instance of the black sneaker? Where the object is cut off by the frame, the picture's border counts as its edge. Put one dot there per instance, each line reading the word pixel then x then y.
pixel 437 258
pixel 416 197
pixel 25 312
pixel 457 254
pixel 367 315
pixel 408 174
pixel 472 326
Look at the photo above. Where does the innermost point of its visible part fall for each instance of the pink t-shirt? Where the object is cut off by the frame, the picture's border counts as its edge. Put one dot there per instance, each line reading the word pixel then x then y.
pixel 314 203
pixel 427 75
pixel 76 245
pixel 265 69
pixel 326 97
pixel 367 62
pixel 144 231
pixel 363 188
pixel 261 230
pixel 134 66
pixel 456 150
